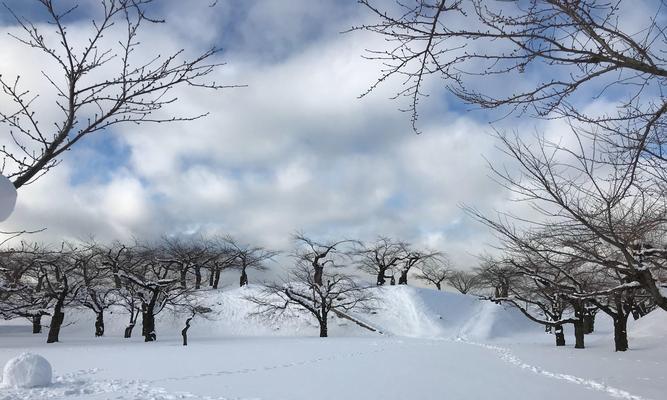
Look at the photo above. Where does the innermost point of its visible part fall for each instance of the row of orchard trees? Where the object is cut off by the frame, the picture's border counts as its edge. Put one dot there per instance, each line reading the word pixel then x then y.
pixel 143 278
pixel 146 278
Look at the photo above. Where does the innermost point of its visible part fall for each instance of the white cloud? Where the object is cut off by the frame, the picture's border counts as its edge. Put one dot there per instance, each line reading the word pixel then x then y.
pixel 295 150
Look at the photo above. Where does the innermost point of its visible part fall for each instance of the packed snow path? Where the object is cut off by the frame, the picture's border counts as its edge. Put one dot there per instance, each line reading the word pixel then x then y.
pixel 297 369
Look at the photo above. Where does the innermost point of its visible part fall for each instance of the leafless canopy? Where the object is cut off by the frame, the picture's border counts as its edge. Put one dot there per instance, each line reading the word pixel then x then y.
pixel 97 83
pixel 556 48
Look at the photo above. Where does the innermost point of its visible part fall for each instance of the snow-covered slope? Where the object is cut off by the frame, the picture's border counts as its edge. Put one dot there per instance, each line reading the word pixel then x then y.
pixel 399 311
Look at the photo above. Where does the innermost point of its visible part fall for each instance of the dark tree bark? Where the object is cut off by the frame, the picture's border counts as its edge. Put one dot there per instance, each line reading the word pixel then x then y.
pixel 58 314
pixel 403 279
pixel 324 329
pixel 148 326
pixel 244 278
pixel 589 323
pixel 579 334
pixel 381 278
pixel 317 276
pixel 37 324
pixel 148 319
pixel 99 324
pixel 620 332
pixel 216 279
pixel 184 278
pixel 197 277
pixel 128 331
pixel 130 327
pixel 184 332
pixel 560 336
pixel 56 323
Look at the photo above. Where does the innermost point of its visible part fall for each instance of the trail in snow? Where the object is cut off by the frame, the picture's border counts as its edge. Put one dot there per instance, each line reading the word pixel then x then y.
pixel 507 356
pixel 269 367
pixel 83 385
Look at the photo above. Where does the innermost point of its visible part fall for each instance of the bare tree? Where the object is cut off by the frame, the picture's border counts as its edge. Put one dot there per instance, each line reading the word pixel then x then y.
pixel 61 284
pixel 22 285
pixel 97 292
pixel 382 257
pixel 220 255
pixel 191 309
pixel 463 281
pixel 247 256
pixel 413 258
pixel 157 284
pixel 98 84
pixel 318 255
pixel 435 270
pixel 338 294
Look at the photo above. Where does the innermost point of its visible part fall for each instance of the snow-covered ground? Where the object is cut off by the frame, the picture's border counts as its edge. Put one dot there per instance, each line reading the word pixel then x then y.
pixel 435 345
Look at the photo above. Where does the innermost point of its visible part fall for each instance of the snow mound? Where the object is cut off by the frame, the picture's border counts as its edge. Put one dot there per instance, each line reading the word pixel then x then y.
pixel 426 313
pixel 491 321
pixel 652 325
pixel 26 371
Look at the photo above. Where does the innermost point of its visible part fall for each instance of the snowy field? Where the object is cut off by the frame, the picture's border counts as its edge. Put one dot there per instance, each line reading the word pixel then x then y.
pixel 435 346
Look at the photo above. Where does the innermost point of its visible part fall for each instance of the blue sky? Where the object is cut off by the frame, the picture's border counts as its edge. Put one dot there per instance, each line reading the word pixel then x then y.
pixel 295 150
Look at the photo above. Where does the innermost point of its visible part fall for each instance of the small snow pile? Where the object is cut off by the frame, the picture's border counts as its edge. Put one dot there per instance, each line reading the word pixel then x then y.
pixel 26 371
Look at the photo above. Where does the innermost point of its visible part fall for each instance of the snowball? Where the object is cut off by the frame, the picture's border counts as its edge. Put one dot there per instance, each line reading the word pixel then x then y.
pixel 7 198
pixel 26 371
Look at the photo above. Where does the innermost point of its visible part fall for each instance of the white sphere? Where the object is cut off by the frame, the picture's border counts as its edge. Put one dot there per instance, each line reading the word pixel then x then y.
pixel 26 371
pixel 7 198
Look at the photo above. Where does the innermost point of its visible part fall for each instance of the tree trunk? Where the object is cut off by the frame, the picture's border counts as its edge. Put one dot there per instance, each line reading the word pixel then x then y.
pixel 504 289
pixel 184 332
pixel 211 277
pixel 128 331
pixel 560 336
pixel 56 323
pixel 244 278
pixel 380 279
pixel 58 315
pixel 197 277
pixel 133 321
pixel 392 281
pixel 438 285
pixel 37 324
pixel 116 278
pixel 216 279
pixel 620 332
pixel 317 277
pixel 99 324
pixel 403 279
pixel 184 278
pixel 579 334
pixel 589 323
pixel 323 328
pixel 147 323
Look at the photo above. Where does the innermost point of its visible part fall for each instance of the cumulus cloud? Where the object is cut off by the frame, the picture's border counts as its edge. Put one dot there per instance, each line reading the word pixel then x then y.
pixel 295 150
